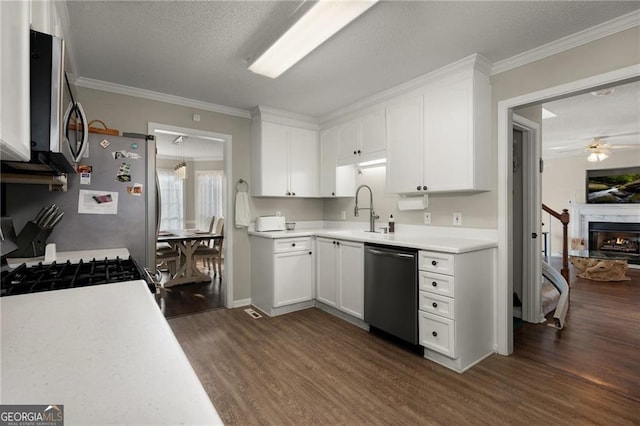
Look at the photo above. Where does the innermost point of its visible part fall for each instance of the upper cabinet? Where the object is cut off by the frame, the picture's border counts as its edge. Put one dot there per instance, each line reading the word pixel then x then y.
pixel 362 139
pixel 439 139
pixel 15 131
pixel 284 157
pixel 335 181
pixel 405 151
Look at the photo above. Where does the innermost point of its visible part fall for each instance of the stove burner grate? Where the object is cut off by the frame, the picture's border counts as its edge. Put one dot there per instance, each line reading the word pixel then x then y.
pixel 57 276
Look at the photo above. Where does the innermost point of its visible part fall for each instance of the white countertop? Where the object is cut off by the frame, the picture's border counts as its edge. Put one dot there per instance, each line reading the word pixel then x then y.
pixel 420 241
pixel 104 352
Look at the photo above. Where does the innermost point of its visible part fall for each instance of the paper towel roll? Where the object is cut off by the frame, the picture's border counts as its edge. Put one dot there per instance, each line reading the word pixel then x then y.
pixel 413 203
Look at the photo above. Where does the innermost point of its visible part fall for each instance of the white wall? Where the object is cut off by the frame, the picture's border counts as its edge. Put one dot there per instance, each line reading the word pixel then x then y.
pixel 563 185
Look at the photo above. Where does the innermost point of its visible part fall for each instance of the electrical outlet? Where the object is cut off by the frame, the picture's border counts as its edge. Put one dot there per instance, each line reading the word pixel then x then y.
pixel 457 218
pixel 427 218
pixel 343 215
pixel 278 213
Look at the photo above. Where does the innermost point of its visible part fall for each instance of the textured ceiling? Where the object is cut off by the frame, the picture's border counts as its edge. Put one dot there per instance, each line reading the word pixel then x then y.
pixel 199 50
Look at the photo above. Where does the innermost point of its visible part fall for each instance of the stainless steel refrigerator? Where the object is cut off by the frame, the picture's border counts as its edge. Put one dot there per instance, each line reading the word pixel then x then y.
pixel 111 204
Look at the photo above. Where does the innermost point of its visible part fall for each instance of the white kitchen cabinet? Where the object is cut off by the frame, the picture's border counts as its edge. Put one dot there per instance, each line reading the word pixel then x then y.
pixel 405 146
pixel 455 306
pixel 293 278
pixel 457 135
pixel 326 272
pixel 15 130
pixel 283 275
pixel 284 160
pixel 362 139
pixel 340 275
pixel 447 149
pixel 335 181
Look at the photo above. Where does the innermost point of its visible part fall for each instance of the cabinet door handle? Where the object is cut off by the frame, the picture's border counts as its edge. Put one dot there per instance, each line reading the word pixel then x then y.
pixel 334 243
pixel 435 284
pixel 337 243
pixel 424 187
pixel 359 152
pixel 434 334
pixel 310 252
pixel 418 187
pixel 293 193
pixel 354 152
pixel 434 304
pixel 333 193
pixel 434 262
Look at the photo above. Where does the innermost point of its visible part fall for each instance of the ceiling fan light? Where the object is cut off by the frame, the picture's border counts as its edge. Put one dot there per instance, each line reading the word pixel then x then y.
pixel 592 158
pixel 602 156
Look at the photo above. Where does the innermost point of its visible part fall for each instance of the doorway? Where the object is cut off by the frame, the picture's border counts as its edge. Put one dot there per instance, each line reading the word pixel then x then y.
pixel 217 154
pixel 505 272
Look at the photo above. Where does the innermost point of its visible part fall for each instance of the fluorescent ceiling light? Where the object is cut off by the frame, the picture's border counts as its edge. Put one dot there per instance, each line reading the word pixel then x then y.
pixel 323 20
pixel 372 162
pixel 547 114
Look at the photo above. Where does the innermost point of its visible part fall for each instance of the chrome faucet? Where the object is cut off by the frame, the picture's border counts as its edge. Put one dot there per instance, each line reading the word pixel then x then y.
pixel 372 213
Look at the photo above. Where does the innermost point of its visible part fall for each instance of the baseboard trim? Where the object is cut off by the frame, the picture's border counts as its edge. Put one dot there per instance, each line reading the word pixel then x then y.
pixel 242 302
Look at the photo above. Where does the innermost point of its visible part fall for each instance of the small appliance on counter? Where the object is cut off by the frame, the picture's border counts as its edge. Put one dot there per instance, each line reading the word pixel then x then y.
pixel 270 223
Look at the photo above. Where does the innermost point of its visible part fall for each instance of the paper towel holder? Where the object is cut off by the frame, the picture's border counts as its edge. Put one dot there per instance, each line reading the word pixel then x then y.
pixel 420 202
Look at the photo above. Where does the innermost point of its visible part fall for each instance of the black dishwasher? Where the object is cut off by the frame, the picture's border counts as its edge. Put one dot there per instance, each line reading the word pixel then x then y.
pixel 391 291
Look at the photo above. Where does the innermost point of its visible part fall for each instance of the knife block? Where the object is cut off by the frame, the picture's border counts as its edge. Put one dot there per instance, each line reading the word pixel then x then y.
pixel 31 241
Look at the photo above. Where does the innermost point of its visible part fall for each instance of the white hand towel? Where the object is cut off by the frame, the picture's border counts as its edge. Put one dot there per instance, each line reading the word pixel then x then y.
pixel 243 214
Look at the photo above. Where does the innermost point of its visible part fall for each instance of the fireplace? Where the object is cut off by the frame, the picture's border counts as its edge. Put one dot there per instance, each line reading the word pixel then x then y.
pixel 615 240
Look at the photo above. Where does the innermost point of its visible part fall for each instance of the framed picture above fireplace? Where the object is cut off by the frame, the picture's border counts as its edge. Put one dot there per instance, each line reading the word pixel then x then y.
pixel 613 186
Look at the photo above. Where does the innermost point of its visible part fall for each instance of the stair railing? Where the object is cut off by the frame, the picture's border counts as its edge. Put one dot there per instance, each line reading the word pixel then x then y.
pixel 564 219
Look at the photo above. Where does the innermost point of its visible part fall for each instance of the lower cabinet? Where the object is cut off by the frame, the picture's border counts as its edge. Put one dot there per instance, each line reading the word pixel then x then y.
pixel 455 307
pixel 340 275
pixel 283 274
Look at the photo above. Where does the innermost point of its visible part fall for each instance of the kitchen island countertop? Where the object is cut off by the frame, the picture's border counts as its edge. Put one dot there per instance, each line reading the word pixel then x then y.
pixel 420 241
pixel 104 352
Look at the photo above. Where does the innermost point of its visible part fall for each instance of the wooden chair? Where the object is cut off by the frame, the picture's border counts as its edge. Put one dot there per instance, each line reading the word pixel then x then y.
pixel 168 257
pixel 211 224
pixel 212 255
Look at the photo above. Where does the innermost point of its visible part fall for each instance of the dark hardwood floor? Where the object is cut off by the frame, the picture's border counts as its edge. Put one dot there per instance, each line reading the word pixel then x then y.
pixel 309 367
pixel 188 299
pixel 601 341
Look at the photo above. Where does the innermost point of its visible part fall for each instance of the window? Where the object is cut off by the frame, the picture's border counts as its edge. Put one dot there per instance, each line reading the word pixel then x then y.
pixel 172 200
pixel 209 184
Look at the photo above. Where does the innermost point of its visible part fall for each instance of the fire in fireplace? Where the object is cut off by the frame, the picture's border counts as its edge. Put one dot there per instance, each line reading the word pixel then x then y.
pixel 615 240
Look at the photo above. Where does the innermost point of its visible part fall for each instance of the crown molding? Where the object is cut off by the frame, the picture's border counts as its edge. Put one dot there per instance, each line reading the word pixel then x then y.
pixel 449 71
pixel 105 86
pixel 588 35
pixel 284 117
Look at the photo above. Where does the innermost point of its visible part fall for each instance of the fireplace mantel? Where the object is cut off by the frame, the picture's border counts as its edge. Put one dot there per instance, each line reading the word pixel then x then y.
pixel 582 214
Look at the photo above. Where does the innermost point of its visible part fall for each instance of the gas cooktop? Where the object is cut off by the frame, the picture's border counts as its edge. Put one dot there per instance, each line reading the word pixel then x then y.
pixel 57 276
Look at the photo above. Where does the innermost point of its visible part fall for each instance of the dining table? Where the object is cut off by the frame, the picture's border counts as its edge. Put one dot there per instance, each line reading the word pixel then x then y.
pixel 186 242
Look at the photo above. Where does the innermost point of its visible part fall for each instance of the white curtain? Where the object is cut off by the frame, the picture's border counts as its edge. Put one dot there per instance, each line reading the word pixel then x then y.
pixel 209 184
pixel 172 196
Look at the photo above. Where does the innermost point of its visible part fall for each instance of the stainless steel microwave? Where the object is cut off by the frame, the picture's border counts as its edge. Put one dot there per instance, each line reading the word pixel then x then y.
pixel 46 88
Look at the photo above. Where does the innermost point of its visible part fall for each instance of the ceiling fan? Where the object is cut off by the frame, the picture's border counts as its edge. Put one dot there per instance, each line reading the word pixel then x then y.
pixel 597 150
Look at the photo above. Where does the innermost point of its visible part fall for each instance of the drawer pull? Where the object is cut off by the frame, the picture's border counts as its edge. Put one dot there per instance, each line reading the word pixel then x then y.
pixel 435 284
pixel 434 334
pixel 293 244
pixel 434 262
pixel 434 304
